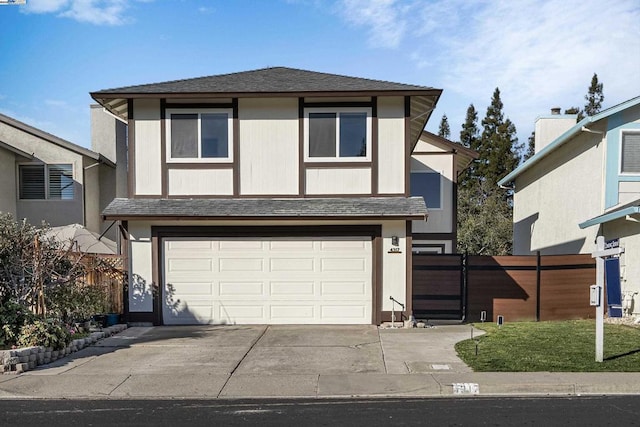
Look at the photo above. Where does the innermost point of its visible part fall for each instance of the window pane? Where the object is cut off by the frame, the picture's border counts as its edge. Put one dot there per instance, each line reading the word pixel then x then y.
pixel 631 152
pixel 322 135
pixel 215 135
pixel 184 136
pixel 32 182
pixel 61 182
pixel 428 186
pixel 353 134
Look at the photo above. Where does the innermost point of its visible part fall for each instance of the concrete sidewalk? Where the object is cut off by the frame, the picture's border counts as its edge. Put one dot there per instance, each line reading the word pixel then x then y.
pixel 289 361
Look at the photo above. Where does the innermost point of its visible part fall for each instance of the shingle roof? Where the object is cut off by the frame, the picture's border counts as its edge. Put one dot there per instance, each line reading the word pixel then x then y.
pixel 298 208
pixel 266 80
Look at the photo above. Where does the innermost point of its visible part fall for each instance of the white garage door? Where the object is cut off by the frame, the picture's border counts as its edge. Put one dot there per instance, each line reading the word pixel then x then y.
pixel 267 281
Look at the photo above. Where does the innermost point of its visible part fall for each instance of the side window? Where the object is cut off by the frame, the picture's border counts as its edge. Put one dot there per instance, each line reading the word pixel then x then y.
pixel 630 153
pixel 46 182
pixel 199 135
pixel 429 186
pixel 338 134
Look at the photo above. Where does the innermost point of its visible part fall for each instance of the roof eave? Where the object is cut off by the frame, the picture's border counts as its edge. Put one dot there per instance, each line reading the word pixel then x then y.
pixel 611 216
pixel 129 217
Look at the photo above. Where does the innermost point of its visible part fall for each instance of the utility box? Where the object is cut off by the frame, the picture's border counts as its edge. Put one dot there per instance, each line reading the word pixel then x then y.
pixel 595 293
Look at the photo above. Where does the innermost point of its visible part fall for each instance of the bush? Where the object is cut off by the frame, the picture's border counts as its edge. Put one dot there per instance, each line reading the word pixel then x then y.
pixel 13 317
pixel 76 302
pixel 46 333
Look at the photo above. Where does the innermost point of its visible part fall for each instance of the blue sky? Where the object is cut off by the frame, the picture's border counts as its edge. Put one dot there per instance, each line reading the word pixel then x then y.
pixel 541 54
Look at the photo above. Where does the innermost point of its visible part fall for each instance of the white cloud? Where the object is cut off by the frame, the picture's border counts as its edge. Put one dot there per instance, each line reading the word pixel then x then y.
pixel 385 19
pixel 540 53
pixel 97 12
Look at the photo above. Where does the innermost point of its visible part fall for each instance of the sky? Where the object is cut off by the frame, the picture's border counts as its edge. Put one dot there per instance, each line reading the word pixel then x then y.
pixel 540 54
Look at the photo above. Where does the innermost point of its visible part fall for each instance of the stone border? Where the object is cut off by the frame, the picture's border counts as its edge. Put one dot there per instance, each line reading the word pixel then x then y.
pixel 27 358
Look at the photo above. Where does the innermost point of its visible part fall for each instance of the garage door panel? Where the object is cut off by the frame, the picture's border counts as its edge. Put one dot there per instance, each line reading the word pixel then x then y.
pixel 241 264
pixel 292 289
pixel 292 264
pixel 277 280
pixel 241 289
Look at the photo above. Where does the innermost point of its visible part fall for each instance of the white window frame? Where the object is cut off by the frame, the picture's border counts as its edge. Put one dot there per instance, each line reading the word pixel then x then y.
pixel 47 183
pixel 199 112
pixel 337 111
pixel 441 174
pixel 622 133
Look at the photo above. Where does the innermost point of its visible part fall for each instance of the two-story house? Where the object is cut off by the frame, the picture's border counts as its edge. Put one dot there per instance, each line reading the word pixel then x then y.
pixel 582 182
pixel 436 164
pixel 44 178
pixel 269 196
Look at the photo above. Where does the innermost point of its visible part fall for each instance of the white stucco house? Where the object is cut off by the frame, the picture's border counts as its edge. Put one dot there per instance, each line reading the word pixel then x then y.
pixel 436 164
pixel 269 196
pixel 583 182
pixel 46 178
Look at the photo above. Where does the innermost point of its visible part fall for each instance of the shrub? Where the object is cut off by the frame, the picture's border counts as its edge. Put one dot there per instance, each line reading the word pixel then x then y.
pixel 46 333
pixel 13 317
pixel 75 302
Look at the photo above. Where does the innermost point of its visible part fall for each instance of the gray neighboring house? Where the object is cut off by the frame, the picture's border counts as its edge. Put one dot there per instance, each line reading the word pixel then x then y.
pixel 46 178
pixel 268 196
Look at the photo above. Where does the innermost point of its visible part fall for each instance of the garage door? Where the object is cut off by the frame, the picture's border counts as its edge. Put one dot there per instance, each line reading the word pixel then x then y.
pixel 267 281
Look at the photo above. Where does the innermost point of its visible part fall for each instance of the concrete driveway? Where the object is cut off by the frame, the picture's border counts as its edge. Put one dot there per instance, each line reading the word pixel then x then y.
pixel 250 361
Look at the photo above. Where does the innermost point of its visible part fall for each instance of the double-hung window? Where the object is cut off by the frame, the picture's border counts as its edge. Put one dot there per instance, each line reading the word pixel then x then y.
pixel 199 135
pixel 46 182
pixel 429 186
pixel 630 153
pixel 338 134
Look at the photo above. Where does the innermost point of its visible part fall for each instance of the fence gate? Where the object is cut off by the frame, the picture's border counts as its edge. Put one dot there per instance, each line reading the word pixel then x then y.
pixel 438 286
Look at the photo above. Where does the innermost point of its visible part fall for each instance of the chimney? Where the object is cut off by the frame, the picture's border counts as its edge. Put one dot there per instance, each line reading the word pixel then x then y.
pixel 549 128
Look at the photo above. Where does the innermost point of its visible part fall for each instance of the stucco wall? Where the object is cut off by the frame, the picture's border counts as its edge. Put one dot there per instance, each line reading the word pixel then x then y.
pixel 8 184
pixel 391 145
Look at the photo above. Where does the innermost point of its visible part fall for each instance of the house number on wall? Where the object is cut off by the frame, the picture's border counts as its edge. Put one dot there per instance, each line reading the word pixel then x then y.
pixel 395 251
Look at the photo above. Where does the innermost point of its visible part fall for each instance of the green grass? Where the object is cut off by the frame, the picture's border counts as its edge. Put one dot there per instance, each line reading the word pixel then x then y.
pixel 567 346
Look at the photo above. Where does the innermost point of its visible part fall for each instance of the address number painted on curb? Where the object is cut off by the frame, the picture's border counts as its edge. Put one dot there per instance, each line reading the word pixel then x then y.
pixel 466 388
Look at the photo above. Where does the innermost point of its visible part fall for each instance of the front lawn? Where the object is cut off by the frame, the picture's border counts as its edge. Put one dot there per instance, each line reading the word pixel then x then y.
pixel 566 346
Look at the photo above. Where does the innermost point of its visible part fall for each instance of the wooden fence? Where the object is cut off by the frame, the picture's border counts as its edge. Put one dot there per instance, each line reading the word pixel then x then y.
pixel 107 271
pixel 550 287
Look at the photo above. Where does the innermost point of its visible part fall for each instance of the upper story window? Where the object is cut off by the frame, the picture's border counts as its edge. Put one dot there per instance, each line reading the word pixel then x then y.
pixel 338 134
pixel 630 153
pixel 429 186
pixel 199 135
pixel 46 182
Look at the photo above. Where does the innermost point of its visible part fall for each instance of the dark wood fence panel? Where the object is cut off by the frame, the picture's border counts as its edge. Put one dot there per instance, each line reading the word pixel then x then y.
pixel 501 285
pixel 564 287
pixel 437 286
pixel 551 287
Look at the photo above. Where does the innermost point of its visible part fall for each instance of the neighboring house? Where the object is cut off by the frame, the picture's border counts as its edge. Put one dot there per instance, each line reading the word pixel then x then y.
pixel 46 178
pixel 436 164
pixel 269 196
pixel 582 182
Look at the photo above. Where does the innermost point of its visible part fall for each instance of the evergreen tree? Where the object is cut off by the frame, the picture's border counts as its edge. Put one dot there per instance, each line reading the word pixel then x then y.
pixel 485 210
pixel 531 146
pixel 575 110
pixel 594 97
pixel 444 130
pixel 499 144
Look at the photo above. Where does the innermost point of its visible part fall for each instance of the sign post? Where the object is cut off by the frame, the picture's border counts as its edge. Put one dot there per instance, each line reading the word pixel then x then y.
pixel 600 254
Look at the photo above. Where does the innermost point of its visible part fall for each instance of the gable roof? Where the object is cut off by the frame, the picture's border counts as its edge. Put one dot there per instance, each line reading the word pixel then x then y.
pixel 50 138
pixel 265 209
pixel 568 135
pixel 275 80
pixel 464 155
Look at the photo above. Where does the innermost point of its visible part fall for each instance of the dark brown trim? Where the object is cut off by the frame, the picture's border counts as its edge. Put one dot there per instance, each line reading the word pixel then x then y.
pixel 409 269
pixel 236 148
pixel 374 146
pixel 156 262
pixel 228 165
pixel 454 219
pixel 407 145
pixel 131 146
pixel 338 104
pixel 163 147
pixel 141 317
pixel 433 236
pixel 257 219
pixel 199 105
pixel 106 96
pixel 123 227
pixel 441 246
pixel 302 171
pixel 437 153
pixel 327 165
pixel 158 233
